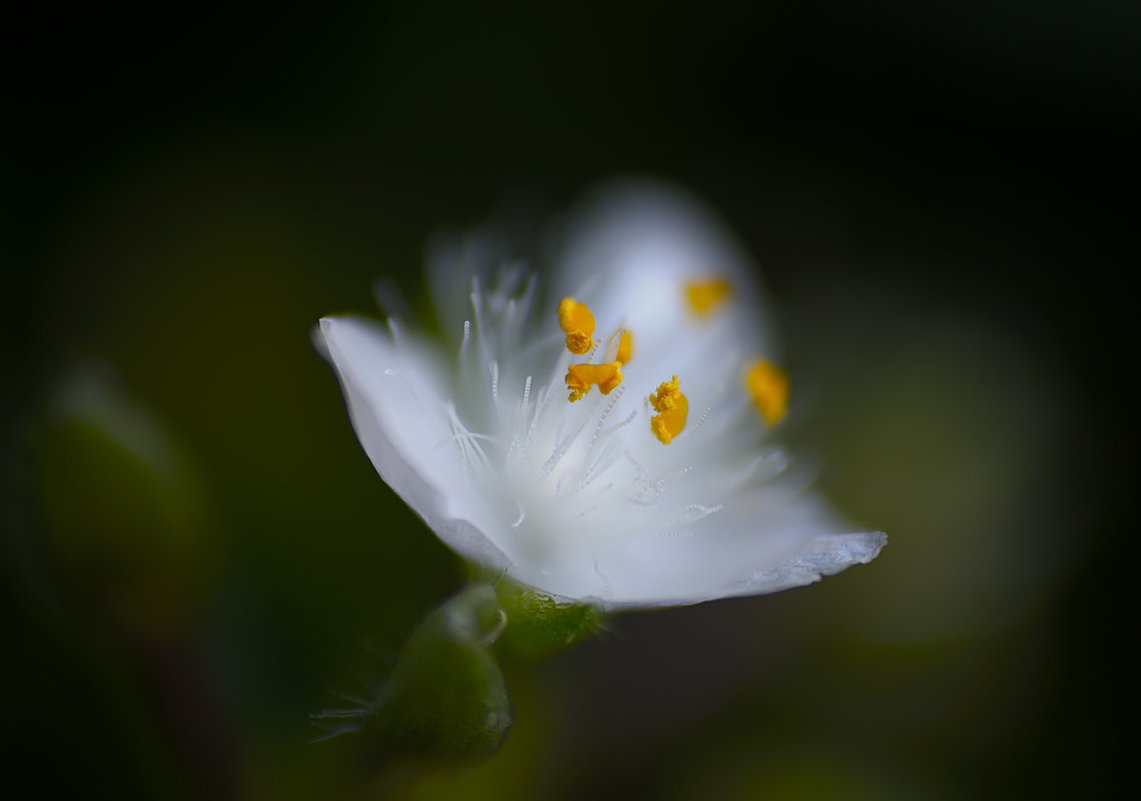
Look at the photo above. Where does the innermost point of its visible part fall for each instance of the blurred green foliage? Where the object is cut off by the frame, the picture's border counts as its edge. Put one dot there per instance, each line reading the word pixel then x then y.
pixel 124 512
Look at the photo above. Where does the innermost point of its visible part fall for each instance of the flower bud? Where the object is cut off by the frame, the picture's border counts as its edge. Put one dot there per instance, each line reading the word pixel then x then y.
pixel 446 697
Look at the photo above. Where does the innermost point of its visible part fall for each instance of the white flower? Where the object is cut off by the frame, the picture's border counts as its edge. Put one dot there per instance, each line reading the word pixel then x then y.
pixel 587 500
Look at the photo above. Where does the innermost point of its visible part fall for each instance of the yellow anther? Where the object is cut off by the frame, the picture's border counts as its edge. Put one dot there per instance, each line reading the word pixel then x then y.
pixel 625 347
pixel 578 322
pixel 620 347
pixel 581 377
pixel 671 407
pixel 705 296
pixel 768 387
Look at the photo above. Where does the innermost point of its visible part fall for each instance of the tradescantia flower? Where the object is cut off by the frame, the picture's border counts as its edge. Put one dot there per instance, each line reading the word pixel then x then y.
pixel 602 434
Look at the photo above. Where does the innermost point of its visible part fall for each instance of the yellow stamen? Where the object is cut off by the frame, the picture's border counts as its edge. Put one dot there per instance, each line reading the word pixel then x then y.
pixel 581 377
pixel 625 347
pixel 768 386
pixel 705 296
pixel 672 408
pixel 578 322
pixel 620 347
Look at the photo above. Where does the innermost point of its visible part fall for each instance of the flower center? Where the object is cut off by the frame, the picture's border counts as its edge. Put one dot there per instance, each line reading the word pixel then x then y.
pixel 577 320
pixel 765 384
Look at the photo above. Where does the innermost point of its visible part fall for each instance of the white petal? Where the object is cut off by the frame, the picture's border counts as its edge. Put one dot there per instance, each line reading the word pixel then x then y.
pixel 824 555
pixel 768 541
pixel 635 246
pixel 393 403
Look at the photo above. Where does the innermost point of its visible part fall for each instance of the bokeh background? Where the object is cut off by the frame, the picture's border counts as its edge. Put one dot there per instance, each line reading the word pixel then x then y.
pixel 937 197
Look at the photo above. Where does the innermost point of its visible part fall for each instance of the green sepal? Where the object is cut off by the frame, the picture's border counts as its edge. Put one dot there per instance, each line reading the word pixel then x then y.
pixel 540 625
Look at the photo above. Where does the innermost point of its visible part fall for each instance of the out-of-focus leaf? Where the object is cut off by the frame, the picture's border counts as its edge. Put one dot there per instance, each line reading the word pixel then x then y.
pixel 124 512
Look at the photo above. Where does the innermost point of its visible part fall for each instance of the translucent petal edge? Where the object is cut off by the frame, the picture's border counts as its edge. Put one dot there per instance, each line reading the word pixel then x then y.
pixel 342 337
pixel 824 555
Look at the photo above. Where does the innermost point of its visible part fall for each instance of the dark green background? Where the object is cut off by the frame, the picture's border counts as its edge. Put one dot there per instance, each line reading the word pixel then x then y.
pixel 937 196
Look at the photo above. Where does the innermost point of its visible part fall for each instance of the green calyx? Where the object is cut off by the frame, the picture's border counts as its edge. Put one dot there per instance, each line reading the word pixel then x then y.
pixel 540 625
